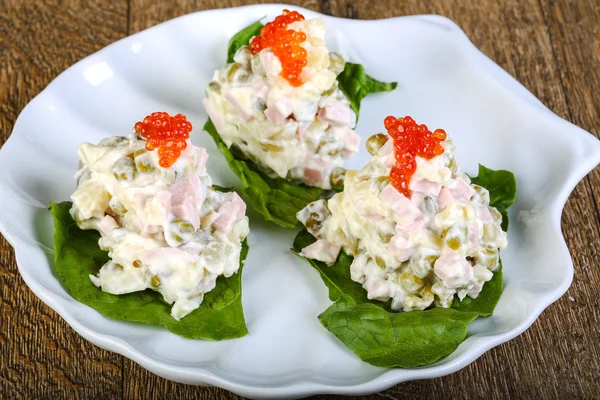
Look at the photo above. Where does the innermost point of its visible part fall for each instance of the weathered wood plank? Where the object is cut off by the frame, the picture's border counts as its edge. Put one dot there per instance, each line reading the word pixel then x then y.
pixel 553 48
pixel 41 356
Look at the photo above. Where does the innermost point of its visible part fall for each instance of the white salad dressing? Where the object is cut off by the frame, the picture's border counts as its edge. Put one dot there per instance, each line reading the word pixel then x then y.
pixel 164 228
pixel 443 241
pixel 303 134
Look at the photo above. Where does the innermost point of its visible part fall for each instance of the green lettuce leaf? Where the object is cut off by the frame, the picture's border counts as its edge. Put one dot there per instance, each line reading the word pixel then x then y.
pixel 374 332
pixel 275 198
pixel 382 337
pixel 77 255
pixel 242 38
pixel 388 339
pixel 356 85
pixel 502 186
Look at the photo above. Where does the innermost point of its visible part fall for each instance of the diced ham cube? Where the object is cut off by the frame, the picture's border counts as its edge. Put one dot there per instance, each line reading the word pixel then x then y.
pixel 186 197
pixel 106 225
pixel 445 198
pixel 475 290
pixel 462 191
pixel 229 213
pixel 278 112
pixel 378 289
pixel 484 214
pixel 213 115
pixel 425 186
pixel 453 269
pixel 322 250
pixel 473 235
pixel 317 171
pixel 350 141
pixel 406 212
pixel 414 227
pixel 336 114
pixel 401 247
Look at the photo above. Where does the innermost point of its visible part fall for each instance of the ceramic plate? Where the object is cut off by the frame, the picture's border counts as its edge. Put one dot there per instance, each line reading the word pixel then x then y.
pixel 444 82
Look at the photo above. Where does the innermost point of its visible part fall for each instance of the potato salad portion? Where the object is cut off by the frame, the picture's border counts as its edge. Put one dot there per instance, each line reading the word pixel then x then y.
pixel 419 231
pixel 278 104
pixel 161 221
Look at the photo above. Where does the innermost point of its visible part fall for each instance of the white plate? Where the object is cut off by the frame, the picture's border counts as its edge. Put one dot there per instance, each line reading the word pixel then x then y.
pixel 443 82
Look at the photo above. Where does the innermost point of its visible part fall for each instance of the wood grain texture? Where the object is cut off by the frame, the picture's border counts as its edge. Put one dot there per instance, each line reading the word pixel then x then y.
pixel 40 355
pixel 551 46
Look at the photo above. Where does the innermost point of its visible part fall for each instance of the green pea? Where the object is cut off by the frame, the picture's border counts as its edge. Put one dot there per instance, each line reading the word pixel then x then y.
pixel 155 281
pixel 181 231
pixel 379 183
pixel 124 169
pixel 214 87
pixel 237 73
pixel 376 142
pixel 337 176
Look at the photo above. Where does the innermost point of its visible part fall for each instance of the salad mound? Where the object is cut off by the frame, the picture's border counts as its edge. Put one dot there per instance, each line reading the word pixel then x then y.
pixel 285 107
pixel 162 223
pixel 410 232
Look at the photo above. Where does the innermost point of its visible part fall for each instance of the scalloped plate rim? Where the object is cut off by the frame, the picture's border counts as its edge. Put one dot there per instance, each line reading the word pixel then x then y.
pixel 199 376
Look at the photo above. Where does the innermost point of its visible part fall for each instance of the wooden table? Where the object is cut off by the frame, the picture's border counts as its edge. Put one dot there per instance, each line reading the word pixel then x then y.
pixel 551 46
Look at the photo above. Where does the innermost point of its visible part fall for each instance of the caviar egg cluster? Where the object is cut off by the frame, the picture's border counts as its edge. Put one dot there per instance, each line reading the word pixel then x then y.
pixel 167 133
pixel 411 140
pixel 285 44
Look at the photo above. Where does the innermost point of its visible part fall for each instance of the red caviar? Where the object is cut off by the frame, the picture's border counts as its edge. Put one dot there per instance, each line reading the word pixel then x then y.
pixel 411 140
pixel 166 133
pixel 285 44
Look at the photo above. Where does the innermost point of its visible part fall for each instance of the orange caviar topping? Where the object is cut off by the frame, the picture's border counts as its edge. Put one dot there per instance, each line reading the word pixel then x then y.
pixel 411 140
pixel 285 44
pixel 166 133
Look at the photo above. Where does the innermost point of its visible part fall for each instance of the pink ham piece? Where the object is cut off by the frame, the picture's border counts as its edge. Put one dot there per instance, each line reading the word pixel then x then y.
pixel 462 191
pixel 445 198
pixel 453 269
pixel 229 213
pixel 106 225
pixel 474 291
pixel 317 171
pixel 322 250
pixel 400 247
pixel 186 197
pixel 484 214
pixel 278 112
pixel 350 141
pixel 473 235
pixel 425 186
pixel 379 289
pixel 336 114
pixel 406 212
